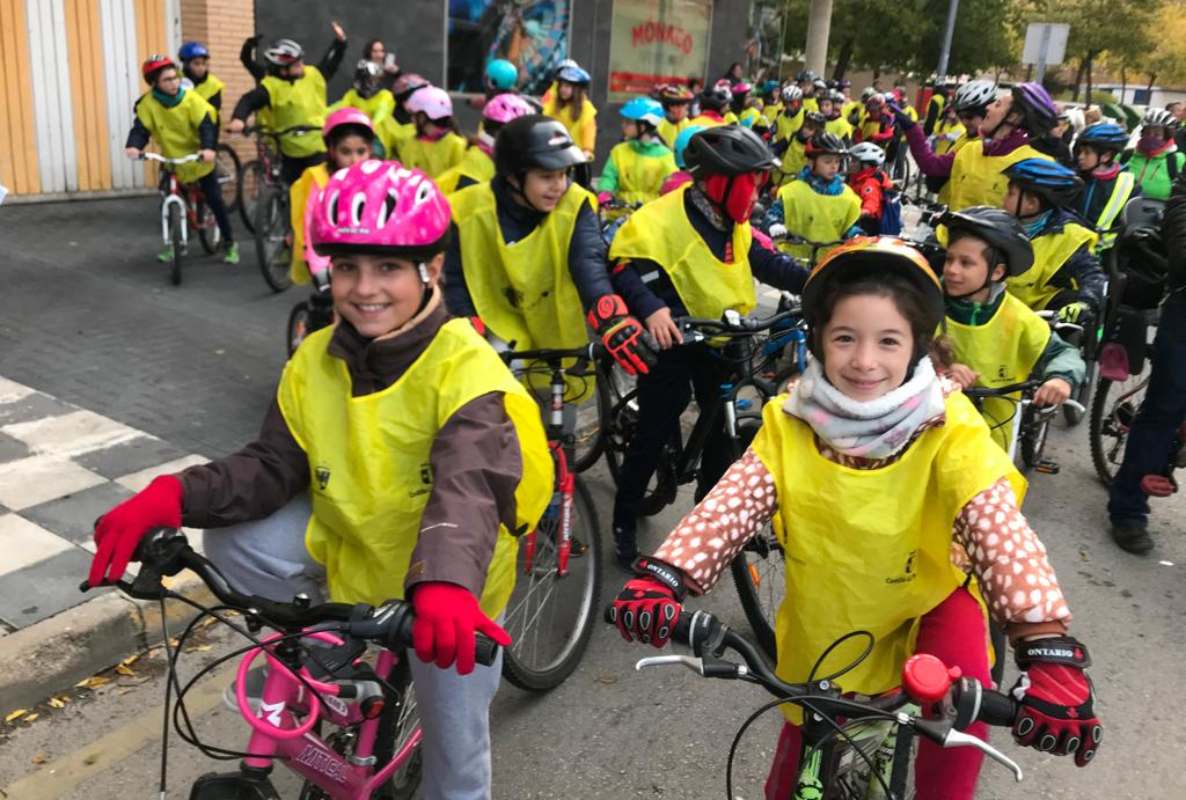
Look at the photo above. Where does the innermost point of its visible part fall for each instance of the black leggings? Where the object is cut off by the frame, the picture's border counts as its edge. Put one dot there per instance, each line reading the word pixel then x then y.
pixel 213 195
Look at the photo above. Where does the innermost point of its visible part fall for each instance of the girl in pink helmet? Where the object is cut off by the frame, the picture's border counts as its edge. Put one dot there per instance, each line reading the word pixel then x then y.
pixel 349 138
pixel 437 146
pixel 396 460
pixel 478 164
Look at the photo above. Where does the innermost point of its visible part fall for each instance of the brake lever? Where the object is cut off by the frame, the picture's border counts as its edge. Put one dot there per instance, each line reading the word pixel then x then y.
pixel 943 733
pixel 715 668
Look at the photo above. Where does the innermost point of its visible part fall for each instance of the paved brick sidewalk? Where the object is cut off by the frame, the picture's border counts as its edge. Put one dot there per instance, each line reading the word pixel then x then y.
pixel 61 466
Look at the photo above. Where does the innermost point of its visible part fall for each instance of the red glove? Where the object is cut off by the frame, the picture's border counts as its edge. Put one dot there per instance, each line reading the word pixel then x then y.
pixel 648 607
pixel 122 528
pixel 624 336
pixel 1056 698
pixel 447 616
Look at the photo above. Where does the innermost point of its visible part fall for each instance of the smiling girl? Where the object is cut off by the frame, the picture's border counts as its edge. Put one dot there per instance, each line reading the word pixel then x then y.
pixel 875 467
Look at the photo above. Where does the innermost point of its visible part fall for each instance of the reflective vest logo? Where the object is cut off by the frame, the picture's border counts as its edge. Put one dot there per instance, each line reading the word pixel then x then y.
pixel 908 573
pixel 322 473
pixel 425 479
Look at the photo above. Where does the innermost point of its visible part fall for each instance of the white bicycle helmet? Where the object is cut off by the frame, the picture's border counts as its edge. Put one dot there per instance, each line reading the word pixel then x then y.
pixel 1159 118
pixel 975 96
pixel 433 101
pixel 791 93
pixel 867 153
pixel 284 52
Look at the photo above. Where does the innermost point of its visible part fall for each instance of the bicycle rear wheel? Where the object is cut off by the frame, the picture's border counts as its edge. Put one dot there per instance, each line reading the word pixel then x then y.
pixel 549 617
pixel 209 234
pixel 589 437
pixel 251 184
pixel 617 430
pixel 228 169
pixel 272 246
pixel 299 326
pixel 175 242
pixel 1112 413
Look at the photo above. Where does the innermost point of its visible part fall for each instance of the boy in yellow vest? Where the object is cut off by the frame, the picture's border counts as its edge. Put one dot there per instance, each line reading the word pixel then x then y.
pixel 996 339
pixel 332 496
pixel 293 93
pixel 182 123
pixel 1066 276
pixel 195 66
pixel 637 166
pixel 693 253
pixel 818 205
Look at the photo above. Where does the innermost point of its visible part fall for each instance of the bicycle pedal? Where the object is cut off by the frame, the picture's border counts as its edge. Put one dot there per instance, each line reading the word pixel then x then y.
pixel 1047 467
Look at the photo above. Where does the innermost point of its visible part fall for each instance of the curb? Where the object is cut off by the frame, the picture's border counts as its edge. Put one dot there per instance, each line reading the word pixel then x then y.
pixel 55 654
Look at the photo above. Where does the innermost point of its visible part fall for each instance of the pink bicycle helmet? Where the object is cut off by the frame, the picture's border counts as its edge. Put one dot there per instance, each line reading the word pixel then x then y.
pixel 380 207
pixel 433 101
pixel 503 108
pixel 346 116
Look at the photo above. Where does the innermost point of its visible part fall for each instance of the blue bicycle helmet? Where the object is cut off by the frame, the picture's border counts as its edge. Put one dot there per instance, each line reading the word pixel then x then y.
pixel 643 109
pixel 502 74
pixel 1104 136
pixel 1051 181
pixel 573 74
pixel 681 143
pixel 192 50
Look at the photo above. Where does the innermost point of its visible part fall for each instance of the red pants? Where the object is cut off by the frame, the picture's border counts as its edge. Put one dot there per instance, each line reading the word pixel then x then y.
pixel 954 631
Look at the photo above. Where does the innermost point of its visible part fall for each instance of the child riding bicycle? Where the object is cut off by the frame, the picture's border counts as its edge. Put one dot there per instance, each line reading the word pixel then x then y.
pixel 332 493
pixel 1156 162
pixel 195 68
pixel 368 96
pixel 638 165
pixel 691 252
pixel 996 339
pixel 875 466
pixel 1107 184
pixel 181 122
pixel 818 206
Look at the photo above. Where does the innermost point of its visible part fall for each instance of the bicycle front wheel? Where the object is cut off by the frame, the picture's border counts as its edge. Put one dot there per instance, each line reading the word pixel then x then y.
pixel 1113 410
pixel 550 617
pixel 209 234
pixel 399 721
pixel 175 242
pixel 273 247
pixel 250 185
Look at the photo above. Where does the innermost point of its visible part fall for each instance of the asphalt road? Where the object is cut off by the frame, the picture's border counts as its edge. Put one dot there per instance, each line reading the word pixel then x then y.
pixel 86 315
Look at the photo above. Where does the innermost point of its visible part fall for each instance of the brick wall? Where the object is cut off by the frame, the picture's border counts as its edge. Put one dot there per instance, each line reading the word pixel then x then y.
pixel 222 25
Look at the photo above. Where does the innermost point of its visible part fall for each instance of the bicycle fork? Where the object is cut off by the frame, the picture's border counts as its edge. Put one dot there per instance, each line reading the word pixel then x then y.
pixel 173 199
pixel 558 516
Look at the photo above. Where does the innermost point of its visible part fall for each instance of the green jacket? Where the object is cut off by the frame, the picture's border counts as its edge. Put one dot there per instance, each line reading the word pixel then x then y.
pixel 1153 174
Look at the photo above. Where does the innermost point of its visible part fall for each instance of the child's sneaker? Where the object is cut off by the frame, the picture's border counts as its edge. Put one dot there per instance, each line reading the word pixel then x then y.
pixel 232 253
pixel 166 255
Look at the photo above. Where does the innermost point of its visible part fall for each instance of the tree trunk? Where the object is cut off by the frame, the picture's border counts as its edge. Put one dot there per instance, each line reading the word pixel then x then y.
pixel 1090 59
pixel 1123 83
pixel 843 58
pixel 1152 80
pixel 1078 80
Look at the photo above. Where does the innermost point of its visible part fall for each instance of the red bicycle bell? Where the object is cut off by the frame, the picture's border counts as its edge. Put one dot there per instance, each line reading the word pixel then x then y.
pixel 926 678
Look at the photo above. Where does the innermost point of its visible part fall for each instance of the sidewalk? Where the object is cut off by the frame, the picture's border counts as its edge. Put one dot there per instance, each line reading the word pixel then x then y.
pixel 61 467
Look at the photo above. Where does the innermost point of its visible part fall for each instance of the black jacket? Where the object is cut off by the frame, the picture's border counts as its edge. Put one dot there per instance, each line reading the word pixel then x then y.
pixel 258 97
pixel 1173 233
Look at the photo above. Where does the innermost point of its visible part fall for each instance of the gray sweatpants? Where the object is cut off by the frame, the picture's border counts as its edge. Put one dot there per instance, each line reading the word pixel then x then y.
pixel 268 558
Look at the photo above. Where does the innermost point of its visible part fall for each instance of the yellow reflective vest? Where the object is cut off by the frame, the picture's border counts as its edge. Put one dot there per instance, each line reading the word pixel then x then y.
pixel 1004 350
pixel 977 179
pixel 640 177
pixel 582 129
pixel 176 130
pixel 370 474
pixel 868 549
pixel 433 156
pixel 207 89
pixel 1051 251
pixel 661 232
pixel 668 130
pixel 840 127
pixel 816 217
pixel 299 195
pixel 299 102
pixel 949 136
pixel 474 165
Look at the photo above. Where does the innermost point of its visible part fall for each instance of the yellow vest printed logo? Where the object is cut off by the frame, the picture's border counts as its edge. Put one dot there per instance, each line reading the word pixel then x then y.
pixel 870 549
pixel 366 520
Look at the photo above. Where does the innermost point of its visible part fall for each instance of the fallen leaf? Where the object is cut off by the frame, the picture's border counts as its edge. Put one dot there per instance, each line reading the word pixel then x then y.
pixel 125 671
pixel 199 648
pixel 606 679
pixel 90 758
pixel 15 715
pixel 31 717
pixel 93 682
pixel 127 662
pixel 58 702
pixel 39 758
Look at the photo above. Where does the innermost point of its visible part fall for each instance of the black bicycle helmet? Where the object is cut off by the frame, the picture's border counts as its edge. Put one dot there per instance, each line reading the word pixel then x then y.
pixel 1054 183
pixel 999 229
pixel 716 98
pixel 1107 137
pixel 815 117
pixel 728 150
pixel 534 142
pixel 825 143
pixel 806 75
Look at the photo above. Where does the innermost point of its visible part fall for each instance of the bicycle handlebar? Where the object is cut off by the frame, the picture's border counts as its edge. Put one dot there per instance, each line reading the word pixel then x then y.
pixel 147 156
pixel 291 131
pixel 733 324
pixel 981 392
pixel 165 552
pixel 592 351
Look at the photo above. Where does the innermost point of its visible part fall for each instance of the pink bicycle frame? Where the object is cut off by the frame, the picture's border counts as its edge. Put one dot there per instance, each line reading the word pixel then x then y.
pixel 277 734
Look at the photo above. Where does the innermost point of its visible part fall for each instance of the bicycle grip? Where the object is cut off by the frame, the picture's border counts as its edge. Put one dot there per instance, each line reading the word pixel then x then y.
pixel 997 709
pixel 485 649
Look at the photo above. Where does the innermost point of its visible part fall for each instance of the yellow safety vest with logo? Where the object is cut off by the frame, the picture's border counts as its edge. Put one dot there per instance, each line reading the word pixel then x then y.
pixel 176 130
pixel 1004 350
pixel 640 177
pixel 523 291
pixel 370 474
pixel 816 217
pixel 661 232
pixel 1051 251
pixel 1121 193
pixel 312 179
pixel 787 125
pixel 840 127
pixel 299 102
pixel 668 130
pixel 475 165
pixel 943 129
pixel 977 179
pixel 869 549
pixel 433 156
pixel 207 89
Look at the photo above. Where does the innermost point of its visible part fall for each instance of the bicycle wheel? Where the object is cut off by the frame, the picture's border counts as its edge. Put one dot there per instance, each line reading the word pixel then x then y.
pixel 399 721
pixel 1035 428
pixel 209 234
pixel 251 183
pixel 175 241
pixel 888 751
pixel 228 169
pixel 272 246
pixel 549 617
pixel 299 325
pixel 1112 412
pixel 617 431
pixel 588 441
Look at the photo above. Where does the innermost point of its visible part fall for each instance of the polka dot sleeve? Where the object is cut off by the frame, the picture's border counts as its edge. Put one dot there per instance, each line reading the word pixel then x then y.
pixel 1009 559
pixel 707 539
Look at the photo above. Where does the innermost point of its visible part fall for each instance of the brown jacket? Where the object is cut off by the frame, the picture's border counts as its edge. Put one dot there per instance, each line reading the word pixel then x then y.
pixel 475 461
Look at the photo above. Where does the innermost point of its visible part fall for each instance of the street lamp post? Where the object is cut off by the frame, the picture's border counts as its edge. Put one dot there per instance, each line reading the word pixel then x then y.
pixel 953 8
pixel 819 22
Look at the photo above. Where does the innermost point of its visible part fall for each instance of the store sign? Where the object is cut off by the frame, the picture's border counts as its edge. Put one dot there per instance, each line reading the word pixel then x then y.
pixel 657 41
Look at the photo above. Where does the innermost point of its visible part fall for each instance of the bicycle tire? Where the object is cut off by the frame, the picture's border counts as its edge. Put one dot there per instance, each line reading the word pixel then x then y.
pixel 617 430
pixel 1108 427
pixel 397 722
pixel 230 171
pixel 550 674
pixel 209 233
pixel 272 246
pixel 300 323
pixel 1033 437
pixel 251 184
pixel 175 241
